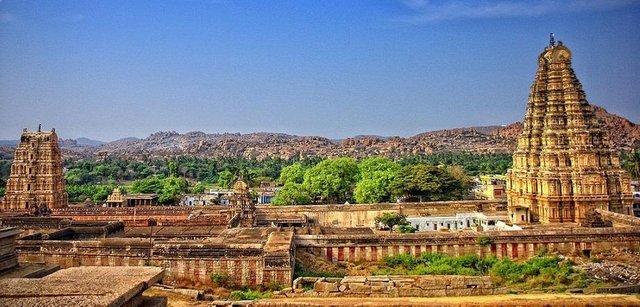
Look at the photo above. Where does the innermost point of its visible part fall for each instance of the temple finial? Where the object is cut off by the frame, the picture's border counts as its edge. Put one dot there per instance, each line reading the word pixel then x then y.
pixel 39 127
pixel 552 40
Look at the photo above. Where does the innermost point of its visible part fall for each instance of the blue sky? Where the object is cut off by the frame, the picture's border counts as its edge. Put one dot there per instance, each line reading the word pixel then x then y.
pixel 112 69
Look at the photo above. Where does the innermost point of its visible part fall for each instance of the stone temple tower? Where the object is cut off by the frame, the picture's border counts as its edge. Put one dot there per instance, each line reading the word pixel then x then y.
pixel 36 180
pixel 563 165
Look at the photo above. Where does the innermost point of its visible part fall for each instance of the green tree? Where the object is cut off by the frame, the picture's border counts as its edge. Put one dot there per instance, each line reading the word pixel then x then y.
pixel 293 173
pixel 173 169
pixel 225 179
pixel 199 188
pixel 332 179
pixel 631 163
pixel 427 182
pixel 377 177
pixel 292 194
pixel 3 190
pixel 391 220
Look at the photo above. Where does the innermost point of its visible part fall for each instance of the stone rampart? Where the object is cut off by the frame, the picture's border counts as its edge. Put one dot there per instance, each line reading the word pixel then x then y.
pixel 512 244
pixel 138 216
pixel 392 286
pixel 363 215
pixel 257 261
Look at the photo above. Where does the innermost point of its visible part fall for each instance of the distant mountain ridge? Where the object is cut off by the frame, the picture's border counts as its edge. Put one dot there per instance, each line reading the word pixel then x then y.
pixel 624 135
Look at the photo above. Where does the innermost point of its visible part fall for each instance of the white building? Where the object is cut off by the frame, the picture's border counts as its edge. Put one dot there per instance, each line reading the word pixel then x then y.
pixel 465 220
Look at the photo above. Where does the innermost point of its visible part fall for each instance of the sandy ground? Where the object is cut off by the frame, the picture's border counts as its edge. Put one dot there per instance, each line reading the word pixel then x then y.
pixel 493 300
pixel 507 300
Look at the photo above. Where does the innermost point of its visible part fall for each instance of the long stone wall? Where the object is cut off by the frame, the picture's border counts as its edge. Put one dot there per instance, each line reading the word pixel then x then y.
pixel 188 262
pixel 512 244
pixel 138 216
pixel 363 215
pixel 392 286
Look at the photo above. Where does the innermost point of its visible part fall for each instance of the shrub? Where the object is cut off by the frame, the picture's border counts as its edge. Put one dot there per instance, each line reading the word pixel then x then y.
pixel 485 240
pixel 219 280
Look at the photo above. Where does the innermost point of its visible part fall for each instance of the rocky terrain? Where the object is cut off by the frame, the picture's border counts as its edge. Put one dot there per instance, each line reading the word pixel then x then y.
pixel 624 135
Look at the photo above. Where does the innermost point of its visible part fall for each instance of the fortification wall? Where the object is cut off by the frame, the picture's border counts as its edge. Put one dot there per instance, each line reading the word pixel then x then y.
pixel 185 262
pixel 138 216
pixel 363 215
pixel 512 244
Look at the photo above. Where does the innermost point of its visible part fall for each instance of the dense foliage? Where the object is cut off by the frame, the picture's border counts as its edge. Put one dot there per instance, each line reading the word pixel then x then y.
pixel 541 271
pixel 391 220
pixel 439 176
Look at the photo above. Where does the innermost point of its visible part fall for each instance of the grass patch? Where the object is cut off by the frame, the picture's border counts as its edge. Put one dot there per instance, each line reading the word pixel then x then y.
pixel 539 272
pixel 241 295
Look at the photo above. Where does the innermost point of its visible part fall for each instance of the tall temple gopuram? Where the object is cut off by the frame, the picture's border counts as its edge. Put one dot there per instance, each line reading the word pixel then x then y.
pixel 563 165
pixel 36 181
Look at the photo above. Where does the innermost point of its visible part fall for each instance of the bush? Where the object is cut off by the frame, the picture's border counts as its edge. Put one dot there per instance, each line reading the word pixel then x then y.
pixel 241 295
pixel 535 273
pixel 219 280
pixel 485 240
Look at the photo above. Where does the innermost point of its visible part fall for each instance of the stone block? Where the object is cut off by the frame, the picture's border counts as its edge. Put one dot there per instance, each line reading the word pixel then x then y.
pixel 354 279
pixel 434 292
pixel 359 288
pixel 311 279
pixel 380 278
pixel 343 287
pixel 321 286
pixel 299 290
pixel 333 279
pixel 379 284
pixel 405 292
pixel 287 290
pixel 379 289
pixel 393 292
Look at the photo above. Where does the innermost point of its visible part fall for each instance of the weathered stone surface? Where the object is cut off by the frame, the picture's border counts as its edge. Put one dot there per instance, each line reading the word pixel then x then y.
pixel 354 279
pixel 343 287
pixel 90 286
pixel 379 289
pixel 36 181
pixel 359 288
pixel 321 286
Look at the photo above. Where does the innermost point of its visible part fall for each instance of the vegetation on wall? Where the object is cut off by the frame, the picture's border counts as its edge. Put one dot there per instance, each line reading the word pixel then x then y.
pixel 541 271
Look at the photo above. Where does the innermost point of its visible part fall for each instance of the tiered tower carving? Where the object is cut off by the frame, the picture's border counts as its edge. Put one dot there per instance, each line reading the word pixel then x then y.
pixel 36 182
pixel 243 208
pixel 563 165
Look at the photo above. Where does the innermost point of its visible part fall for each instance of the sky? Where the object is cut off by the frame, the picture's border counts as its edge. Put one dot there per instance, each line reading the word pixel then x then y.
pixel 113 69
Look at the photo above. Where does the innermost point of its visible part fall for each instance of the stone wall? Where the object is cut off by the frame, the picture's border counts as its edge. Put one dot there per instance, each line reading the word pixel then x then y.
pixel 392 286
pixel 619 220
pixel 187 262
pixel 512 244
pixel 363 215
pixel 138 216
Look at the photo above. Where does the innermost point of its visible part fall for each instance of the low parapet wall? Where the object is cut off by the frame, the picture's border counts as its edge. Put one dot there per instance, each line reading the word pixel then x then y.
pixel 392 286
pixel 619 220
pixel 363 215
pixel 512 244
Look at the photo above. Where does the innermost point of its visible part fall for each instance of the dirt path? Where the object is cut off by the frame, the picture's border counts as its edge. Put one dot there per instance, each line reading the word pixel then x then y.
pixel 542 300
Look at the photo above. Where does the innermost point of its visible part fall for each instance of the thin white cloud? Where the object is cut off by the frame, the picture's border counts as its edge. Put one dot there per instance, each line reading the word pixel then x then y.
pixel 434 11
pixel 6 17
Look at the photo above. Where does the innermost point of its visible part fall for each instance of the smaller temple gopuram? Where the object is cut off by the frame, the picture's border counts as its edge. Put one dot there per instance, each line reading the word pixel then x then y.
pixel 36 181
pixel 242 211
pixel 563 166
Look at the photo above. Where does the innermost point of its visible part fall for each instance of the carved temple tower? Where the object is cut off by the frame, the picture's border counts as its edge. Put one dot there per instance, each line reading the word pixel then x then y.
pixel 563 165
pixel 36 180
pixel 243 208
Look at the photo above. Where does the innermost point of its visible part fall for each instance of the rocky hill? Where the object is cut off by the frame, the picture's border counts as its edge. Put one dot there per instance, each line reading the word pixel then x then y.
pixel 624 135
